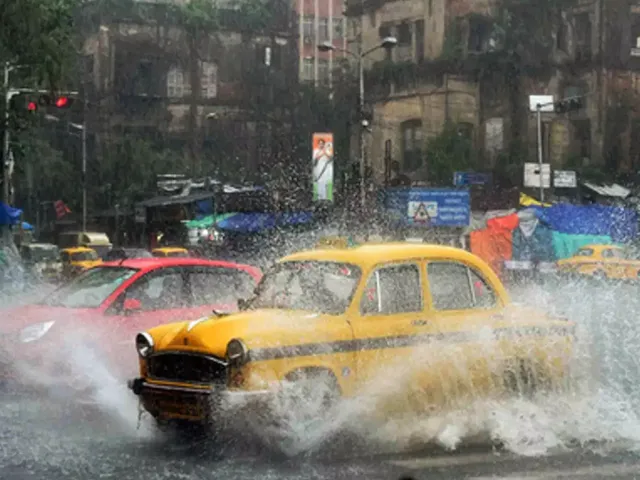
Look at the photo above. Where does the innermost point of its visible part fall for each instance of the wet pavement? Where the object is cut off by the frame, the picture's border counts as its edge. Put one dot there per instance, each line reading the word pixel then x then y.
pixel 36 445
pixel 587 440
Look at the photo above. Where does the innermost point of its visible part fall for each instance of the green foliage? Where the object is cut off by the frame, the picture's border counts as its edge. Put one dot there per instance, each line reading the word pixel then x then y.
pixel 447 153
pixel 130 167
pixel 38 35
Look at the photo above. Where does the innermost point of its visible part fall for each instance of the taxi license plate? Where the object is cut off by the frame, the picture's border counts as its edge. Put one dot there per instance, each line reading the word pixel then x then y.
pixel 184 406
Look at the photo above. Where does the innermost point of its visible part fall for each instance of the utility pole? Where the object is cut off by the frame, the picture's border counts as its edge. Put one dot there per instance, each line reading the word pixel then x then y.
pixel 539 122
pixel 84 159
pixel 5 145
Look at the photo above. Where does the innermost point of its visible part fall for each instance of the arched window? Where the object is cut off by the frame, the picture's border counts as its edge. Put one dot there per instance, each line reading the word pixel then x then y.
pixel 412 145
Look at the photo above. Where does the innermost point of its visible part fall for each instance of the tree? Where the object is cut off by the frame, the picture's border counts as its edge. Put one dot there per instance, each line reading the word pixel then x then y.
pixel 38 34
pixel 449 152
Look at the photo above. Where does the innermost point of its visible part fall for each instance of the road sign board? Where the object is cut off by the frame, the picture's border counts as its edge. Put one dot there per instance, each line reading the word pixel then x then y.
pixel 565 179
pixel 437 207
pixel 462 179
pixel 532 175
pixel 546 102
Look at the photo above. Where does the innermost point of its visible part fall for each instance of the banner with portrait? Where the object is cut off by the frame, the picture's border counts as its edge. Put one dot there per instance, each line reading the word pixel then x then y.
pixel 322 162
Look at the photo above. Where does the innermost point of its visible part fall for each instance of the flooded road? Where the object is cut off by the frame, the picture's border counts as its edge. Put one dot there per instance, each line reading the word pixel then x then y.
pixel 592 435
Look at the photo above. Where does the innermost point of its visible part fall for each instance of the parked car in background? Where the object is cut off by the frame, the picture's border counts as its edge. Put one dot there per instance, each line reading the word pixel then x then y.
pixel 42 261
pixel 120 253
pixel 602 262
pixel 106 305
pixel 76 260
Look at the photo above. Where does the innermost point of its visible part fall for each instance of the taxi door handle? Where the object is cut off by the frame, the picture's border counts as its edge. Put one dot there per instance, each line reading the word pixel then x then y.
pixel 419 323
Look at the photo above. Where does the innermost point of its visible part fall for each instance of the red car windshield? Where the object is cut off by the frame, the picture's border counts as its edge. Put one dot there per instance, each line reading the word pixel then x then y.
pixel 91 288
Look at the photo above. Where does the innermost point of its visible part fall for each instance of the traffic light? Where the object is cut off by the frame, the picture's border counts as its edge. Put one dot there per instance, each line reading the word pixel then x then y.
pixel 568 105
pixel 29 102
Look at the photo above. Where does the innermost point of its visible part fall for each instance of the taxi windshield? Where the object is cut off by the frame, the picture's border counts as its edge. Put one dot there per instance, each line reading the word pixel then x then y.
pixel 322 287
pixel 91 288
pixel 84 256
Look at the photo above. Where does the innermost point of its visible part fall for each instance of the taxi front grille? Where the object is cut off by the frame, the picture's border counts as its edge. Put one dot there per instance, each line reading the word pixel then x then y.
pixel 187 367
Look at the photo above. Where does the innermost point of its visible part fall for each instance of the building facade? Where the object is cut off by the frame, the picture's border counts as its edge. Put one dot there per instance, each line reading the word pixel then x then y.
pixel 446 69
pixel 320 21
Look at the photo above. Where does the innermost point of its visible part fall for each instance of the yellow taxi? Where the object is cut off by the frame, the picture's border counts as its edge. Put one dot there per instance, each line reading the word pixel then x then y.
pixel 78 259
pixel 342 322
pixel 601 262
pixel 170 252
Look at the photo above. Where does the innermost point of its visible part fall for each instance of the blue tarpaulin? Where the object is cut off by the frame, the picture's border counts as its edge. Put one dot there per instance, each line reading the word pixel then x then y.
pixel 27 226
pixel 256 222
pixel 9 215
pixel 621 224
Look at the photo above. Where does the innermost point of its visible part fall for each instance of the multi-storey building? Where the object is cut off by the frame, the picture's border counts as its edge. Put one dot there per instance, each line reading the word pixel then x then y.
pixel 446 68
pixel 320 21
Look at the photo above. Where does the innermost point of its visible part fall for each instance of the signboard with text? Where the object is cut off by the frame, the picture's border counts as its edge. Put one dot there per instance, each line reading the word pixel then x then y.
pixel 565 179
pixel 532 175
pixel 462 179
pixel 430 207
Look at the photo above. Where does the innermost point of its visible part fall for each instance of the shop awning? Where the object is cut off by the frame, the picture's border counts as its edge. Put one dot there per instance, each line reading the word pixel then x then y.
pixel 613 190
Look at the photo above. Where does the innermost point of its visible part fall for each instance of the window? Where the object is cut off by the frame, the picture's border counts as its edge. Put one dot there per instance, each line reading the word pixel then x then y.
pixel 323 29
pixel 323 71
pixel 430 7
pixel 412 145
pixel 308 69
pixel 160 290
pixel 392 290
pixel 178 84
pixel 419 28
pixel 584 252
pixel 308 26
pixel 84 256
pixel 583 36
pixel 338 28
pixel 314 286
pixel 65 257
pixel 454 286
pixel 209 80
pixel 404 34
pixel 91 288
pixel 612 253
pixel 219 286
pixel 384 31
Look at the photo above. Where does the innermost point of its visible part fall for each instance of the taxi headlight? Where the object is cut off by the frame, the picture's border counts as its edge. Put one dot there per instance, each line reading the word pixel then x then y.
pixel 144 344
pixel 34 332
pixel 237 353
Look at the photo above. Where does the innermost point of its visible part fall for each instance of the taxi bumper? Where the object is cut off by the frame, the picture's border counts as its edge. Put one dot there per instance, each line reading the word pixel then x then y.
pixel 198 404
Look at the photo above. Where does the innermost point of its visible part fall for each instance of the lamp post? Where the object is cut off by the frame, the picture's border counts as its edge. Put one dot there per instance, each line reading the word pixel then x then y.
pixel 388 42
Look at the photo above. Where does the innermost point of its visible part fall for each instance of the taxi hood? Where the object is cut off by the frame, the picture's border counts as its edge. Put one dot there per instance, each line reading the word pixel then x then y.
pixel 256 328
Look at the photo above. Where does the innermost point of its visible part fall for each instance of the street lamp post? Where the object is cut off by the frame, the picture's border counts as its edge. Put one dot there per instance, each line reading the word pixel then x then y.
pixel 388 42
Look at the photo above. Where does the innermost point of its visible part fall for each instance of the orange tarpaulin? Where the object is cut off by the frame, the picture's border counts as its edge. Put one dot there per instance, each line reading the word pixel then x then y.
pixel 493 244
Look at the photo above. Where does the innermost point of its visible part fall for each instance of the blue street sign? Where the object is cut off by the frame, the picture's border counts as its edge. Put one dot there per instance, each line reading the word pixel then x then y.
pixel 462 179
pixel 429 207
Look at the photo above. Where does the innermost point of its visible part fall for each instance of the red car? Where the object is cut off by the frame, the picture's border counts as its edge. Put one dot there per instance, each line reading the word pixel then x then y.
pixel 99 313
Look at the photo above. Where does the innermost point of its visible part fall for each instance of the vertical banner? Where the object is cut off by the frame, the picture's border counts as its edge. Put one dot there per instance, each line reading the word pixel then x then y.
pixel 322 166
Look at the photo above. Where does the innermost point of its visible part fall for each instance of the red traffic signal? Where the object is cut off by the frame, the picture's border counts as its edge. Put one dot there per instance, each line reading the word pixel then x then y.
pixel 32 106
pixel 62 102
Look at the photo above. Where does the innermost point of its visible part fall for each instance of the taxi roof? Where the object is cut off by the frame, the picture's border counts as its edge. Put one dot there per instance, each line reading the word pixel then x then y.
pixel 370 254
pixel 601 246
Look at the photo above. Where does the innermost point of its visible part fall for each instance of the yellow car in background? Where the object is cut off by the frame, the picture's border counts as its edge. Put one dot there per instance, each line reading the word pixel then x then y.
pixel 170 252
pixel 601 262
pixel 415 326
pixel 78 259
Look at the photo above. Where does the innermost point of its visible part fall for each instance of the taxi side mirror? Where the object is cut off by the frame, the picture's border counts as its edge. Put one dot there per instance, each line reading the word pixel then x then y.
pixel 131 305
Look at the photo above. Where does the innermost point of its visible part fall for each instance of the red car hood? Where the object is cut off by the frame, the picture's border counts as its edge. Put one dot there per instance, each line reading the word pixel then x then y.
pixel 14 319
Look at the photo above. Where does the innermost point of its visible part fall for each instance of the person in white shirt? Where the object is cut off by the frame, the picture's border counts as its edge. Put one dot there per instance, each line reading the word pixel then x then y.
pixel 323 171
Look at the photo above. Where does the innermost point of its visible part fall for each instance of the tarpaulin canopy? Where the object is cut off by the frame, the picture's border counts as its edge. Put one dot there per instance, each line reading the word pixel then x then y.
pixel 250 222
pixel 617 222
pixel 9 215
pixel 256 222
pixel 207 221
